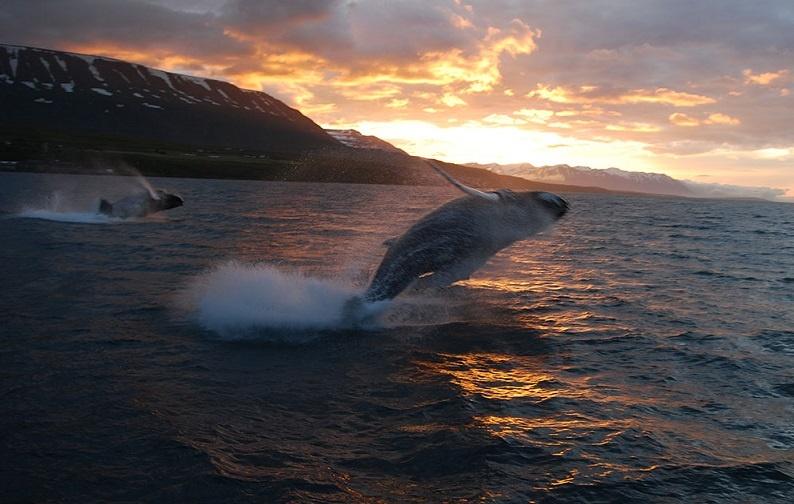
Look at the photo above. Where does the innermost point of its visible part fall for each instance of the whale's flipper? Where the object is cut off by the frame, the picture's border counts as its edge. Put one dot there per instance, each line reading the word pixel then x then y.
pixel 489 196
pixel 105 207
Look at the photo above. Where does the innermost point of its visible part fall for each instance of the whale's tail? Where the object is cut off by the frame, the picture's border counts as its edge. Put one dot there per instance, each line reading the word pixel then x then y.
pixel 105 207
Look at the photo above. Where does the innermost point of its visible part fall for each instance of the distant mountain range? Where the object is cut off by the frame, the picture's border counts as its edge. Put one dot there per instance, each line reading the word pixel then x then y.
pixel 611 178
pixel 74 113
pixel 68 112
pixel 615 179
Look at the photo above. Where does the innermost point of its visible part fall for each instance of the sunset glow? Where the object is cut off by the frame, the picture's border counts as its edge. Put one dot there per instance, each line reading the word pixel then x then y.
pixel 642 89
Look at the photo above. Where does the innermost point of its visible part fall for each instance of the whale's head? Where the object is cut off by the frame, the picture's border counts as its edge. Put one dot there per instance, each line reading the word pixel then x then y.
pixel 166 200
pixel 523 212
pixel 534 204
pixel 551 203
pixel 528 212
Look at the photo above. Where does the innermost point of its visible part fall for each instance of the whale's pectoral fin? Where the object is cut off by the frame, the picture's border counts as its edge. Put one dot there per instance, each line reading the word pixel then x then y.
pixel 489 196
pixel 105 207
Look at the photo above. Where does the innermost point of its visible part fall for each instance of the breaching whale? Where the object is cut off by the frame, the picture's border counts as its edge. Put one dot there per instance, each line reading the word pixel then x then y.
pixel 140 205
pixel 456 239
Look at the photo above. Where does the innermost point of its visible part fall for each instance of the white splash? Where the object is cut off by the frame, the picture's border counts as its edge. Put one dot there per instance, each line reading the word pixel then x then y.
pixel 234 298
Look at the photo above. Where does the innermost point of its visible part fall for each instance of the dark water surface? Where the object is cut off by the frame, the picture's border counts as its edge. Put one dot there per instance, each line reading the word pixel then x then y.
pixel 642 350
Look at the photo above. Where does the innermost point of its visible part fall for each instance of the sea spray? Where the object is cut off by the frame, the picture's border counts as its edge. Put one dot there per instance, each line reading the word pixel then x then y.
pixel 140 179
pixel 73 203
pixel 236 299
pixel 59 207
pixel 263 301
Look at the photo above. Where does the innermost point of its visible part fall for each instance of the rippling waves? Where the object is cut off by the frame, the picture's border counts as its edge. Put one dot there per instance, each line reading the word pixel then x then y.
pixel 641 350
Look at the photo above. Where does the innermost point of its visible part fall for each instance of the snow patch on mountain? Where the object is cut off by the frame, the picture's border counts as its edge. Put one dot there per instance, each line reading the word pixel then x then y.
pixel 355 139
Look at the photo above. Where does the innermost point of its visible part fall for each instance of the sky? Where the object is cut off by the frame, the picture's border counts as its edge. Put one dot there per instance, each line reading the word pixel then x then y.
pixel 700 90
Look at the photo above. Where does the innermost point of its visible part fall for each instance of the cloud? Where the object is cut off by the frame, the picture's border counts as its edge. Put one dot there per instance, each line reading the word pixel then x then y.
pixel 450 100
pixel 677 78
pixel 537 116
pixel 763 79
pixel 502 119
pixel 633 127
pixel 719 118
pixel 149 30
pixel 594 94
pixel 680 119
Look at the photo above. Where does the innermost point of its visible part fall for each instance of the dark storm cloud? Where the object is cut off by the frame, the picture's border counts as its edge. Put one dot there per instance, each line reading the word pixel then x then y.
pixel 353 33
pixel 260 16
pixel 644 42
pixel 136 25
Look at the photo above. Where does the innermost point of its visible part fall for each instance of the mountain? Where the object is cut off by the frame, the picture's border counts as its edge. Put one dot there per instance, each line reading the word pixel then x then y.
pixel 79 94
pixel 613 179
pixel 74 113
pixel 356 140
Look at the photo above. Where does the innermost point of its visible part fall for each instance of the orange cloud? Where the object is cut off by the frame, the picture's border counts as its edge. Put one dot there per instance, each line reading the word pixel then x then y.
pixel 590 94
pixel 633 127
pixel 538 116
pixel 719 118
pixel 398 103
pixel 680 119
pixel 450 100
pixel 762 79
pixel 503 119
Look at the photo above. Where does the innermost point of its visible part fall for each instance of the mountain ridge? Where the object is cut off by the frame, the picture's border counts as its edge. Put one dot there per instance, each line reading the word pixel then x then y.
pixel 76 113
pixel 93 94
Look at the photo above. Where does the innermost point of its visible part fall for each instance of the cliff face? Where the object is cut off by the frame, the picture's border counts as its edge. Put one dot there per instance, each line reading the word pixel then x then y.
pixel 60 91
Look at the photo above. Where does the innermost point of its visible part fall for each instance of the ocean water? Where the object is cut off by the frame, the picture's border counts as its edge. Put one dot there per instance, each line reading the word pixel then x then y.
pixel 642 350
